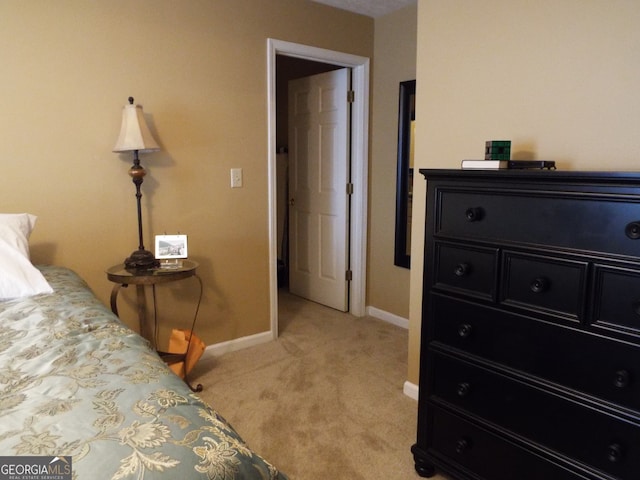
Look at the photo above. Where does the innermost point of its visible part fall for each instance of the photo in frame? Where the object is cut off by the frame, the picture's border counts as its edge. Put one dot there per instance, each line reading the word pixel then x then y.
pixel 170 247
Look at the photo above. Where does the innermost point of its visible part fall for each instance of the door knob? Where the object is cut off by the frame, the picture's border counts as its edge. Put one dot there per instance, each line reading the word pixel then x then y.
pixel 292 202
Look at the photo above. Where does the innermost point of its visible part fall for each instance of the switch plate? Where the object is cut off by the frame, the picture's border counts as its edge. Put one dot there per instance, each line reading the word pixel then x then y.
pixel 236 178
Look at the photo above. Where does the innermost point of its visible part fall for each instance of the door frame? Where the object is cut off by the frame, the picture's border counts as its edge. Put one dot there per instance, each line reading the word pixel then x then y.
pixel 359 166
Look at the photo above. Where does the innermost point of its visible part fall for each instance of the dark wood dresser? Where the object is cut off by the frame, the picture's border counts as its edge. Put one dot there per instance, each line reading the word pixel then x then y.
pixel 530 353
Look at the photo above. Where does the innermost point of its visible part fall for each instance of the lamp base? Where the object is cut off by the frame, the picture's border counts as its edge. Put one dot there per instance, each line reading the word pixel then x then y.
pixel 141 260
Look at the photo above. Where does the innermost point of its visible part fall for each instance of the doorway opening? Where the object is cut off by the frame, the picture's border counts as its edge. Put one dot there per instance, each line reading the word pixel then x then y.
pixel 359 66
pixel 288 69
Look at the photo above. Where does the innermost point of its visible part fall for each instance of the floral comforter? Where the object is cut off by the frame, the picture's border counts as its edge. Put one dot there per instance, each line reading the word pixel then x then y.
pixel 75 381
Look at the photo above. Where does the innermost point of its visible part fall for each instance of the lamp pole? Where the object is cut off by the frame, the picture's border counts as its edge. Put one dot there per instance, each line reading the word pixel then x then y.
pixel 141 258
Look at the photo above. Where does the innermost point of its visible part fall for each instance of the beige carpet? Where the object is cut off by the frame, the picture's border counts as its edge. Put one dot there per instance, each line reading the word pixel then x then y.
pixel 325 401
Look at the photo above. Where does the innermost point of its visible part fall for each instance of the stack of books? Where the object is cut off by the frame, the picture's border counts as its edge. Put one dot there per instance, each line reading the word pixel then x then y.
pixel 503 164
pixel 497 156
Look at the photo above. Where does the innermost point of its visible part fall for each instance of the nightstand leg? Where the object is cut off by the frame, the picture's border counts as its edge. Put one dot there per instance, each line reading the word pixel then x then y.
pixel 114 298
pixel 196 389
pixel 142 313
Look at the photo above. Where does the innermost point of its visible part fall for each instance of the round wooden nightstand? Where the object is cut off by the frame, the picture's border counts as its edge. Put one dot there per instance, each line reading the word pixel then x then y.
pixel 123 277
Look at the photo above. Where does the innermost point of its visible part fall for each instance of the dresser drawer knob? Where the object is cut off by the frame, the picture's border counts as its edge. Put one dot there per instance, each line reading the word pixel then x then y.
pixel 465 330
pixel 614 452
pixel 633 230
pixel 463 389
pixel 539 285
pixel 474 214
pixel 462 269
pixel 622 379
pixel 462 445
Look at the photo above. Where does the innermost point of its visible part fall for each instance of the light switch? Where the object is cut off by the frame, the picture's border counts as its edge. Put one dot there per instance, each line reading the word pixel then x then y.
pixel 236 177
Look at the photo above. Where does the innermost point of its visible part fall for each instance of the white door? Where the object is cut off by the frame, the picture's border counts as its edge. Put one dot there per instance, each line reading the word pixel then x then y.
pixel 318 176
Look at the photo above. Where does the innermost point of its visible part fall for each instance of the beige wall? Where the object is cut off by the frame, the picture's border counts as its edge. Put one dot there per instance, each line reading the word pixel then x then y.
pixel 558 78
pixel 394 62
pixel 199 69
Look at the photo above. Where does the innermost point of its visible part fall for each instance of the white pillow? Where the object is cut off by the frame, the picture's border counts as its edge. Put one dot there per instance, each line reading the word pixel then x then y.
pixel 18 276
pixel 15 229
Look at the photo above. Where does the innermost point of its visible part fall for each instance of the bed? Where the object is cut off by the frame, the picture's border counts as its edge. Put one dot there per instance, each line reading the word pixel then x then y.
pixel 75 381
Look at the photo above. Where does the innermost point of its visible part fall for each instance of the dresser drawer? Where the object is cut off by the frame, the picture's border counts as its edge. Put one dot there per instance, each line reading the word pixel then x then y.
pixel 606 443
pixel 588 221
pixel 586 362
pixel 611 311
pixel 545 284
pixel 466 269
pixel 469 447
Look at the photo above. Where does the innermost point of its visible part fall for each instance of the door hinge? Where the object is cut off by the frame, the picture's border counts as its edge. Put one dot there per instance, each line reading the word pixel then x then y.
pixel 349 188
pixel 351 96
pixel 348 275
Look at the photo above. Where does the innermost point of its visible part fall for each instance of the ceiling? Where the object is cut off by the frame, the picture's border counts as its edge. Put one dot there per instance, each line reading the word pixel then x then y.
pixel 370 8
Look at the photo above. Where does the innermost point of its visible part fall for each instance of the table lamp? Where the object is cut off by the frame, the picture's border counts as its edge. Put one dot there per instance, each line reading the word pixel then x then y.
pixel 135 137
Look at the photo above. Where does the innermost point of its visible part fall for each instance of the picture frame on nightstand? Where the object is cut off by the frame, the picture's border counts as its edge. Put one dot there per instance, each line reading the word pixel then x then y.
pixel 171 249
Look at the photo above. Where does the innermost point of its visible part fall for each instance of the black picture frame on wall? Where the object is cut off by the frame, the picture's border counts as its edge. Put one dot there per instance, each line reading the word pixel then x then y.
pixel 404 175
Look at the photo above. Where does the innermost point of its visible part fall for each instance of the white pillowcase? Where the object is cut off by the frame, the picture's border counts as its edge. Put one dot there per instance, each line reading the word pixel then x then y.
pixel 18 276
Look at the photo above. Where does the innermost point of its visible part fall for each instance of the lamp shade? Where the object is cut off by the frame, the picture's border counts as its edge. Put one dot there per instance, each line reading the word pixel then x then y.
pixel 134 133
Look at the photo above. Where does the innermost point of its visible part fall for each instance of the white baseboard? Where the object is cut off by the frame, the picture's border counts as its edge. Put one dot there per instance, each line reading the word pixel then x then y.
pixel 411 390
pixel 388 317
pixel 221 348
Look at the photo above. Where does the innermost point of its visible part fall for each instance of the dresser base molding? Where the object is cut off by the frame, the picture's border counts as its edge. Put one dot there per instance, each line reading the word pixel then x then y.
pixel 423 466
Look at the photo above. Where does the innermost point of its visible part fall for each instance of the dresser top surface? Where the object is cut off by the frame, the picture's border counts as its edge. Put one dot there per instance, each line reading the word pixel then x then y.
pixel 535 174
